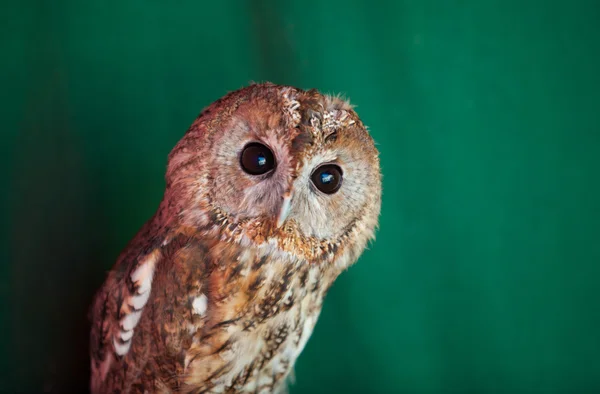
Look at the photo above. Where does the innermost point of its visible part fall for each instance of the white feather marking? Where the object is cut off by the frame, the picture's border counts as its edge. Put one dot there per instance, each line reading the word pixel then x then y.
pixel 139 300
pixel 126 335
pixel 199 305
pixel 142 276
pixel 278 366
pixel 186 361
pixel 142 279
pixel 131 320
pixel 307 330
pixel 144 284
pixel 191 328
pixel 231 329
pixel 121 348
pixel 312 276
pixel 264 380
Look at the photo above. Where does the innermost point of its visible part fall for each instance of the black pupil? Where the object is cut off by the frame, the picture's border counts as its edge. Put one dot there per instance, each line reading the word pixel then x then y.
pixel 257 159
pixel 327 178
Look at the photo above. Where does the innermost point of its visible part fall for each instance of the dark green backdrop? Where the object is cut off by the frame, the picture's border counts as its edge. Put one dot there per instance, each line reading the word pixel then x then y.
pixel 485 274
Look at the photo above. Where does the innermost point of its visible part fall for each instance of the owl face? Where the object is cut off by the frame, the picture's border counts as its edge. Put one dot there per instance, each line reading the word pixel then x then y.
pixel 294 161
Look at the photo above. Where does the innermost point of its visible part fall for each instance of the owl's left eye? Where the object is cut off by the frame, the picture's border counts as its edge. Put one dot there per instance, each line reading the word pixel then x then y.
pixel 257 159
pixel 327 178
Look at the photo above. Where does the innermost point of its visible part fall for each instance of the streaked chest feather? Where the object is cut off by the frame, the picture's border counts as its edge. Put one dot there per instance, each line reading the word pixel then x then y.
pixel 245 323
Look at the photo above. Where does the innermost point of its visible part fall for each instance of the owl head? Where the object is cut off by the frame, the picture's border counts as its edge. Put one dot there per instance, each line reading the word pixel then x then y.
pixel 280 166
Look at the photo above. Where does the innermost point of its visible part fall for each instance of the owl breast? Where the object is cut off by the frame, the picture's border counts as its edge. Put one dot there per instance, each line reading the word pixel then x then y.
pixel 241 327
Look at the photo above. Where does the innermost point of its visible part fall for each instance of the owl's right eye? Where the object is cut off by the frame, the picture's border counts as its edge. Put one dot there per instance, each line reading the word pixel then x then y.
pixel 257 159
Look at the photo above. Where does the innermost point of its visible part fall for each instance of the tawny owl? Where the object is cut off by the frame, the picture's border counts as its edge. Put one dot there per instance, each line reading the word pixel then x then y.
pixel 270 195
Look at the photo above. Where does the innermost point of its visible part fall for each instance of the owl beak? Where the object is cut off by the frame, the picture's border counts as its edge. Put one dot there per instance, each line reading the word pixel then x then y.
pixel 284 211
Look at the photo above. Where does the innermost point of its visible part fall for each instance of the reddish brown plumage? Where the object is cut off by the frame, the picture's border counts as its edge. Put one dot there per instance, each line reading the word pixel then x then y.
pixel 212 295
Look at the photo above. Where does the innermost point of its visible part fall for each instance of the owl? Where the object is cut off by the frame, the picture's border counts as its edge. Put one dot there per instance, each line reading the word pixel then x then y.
pixel 271 194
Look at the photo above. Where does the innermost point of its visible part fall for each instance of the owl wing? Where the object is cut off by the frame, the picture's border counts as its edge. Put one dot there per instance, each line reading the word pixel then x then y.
pixel 119 304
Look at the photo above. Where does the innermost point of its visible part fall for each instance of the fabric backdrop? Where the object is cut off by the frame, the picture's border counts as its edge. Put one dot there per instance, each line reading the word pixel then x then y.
pixel 485 274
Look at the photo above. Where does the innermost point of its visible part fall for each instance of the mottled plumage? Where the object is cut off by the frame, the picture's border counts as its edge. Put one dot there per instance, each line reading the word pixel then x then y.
pixel 220 290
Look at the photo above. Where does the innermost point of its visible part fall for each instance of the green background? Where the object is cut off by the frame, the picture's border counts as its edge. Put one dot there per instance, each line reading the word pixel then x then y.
pixel 485 274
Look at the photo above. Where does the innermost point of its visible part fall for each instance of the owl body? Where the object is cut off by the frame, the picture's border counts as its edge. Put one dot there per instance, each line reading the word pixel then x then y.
pixel 221 289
